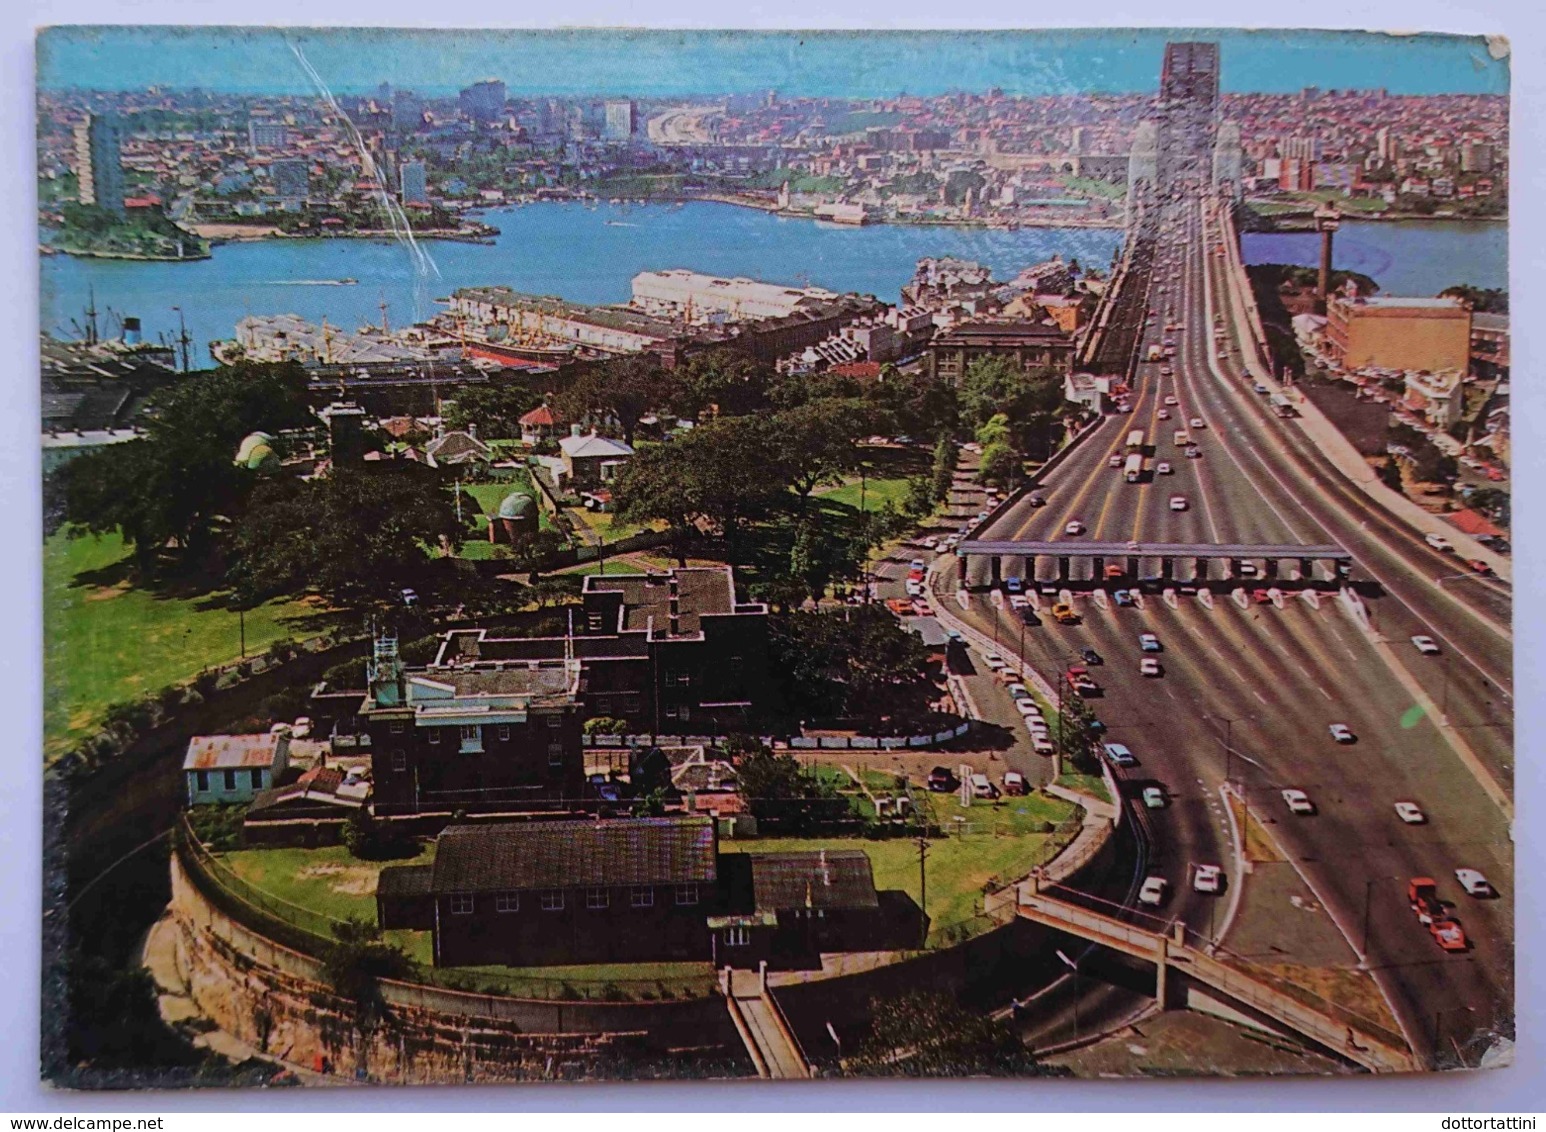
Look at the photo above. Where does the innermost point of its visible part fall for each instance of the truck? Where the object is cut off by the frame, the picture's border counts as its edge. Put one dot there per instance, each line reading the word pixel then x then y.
pixel 1134 440
pixel 1132 471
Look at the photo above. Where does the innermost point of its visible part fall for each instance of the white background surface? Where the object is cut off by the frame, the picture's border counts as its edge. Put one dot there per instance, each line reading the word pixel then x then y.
pixel 1522 1088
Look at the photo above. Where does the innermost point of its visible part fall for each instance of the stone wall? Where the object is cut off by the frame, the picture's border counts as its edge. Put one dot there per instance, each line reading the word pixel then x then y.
pixel 277 1000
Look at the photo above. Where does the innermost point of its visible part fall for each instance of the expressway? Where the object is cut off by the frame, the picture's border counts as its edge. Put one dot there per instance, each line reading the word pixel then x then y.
pixel 1247 694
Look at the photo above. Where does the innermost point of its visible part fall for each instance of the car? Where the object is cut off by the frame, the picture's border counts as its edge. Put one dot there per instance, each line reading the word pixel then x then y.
pixel 1163 468
pixel 1163 415
pixel 1027 707
pixel 1038 499
pixel 1152 891
pixel 1495 475
pixel 914 587
pixel 1166 371
pixel 1411 813
pixel 1425 645
pixel 1122 597
pixel 1148 666
pixel 1261 596
pixel 1448 934
pixel 1009 677
pixel 1258 387
pixel 1342 733
pixel 1154 797
pixel 942 780
pixel 1014 783
pixel 1148 642
pixel 1439 543
pixel 1091 656
pixel 918 564
pixel 1074 527
pixel 1170 399
pixel 995 662
pixel 1028 615
pixel 410 597
pixel 1474 883
pixel 1298 802
pixel 1248 570
pixel 931 542
pixel 981 515
pixel 1478 566
pixel 1114 572
pixel 1043 745
pixel 1197 423
pixel 1013 585
pixel 1207 878
pixel 955 636
pixel 1018 601
pixel 1178 503
pixel 1064 614
pixel 1193 452
pixel 1119 755
pixel 982 788
pixel 1114 460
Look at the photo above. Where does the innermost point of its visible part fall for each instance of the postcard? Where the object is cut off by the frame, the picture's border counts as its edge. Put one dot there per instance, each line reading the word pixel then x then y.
pixel 606 555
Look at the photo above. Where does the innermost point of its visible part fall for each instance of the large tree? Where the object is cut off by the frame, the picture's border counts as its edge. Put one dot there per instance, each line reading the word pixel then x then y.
pixel 495 409
pixel 179 481
pixel 782 793
pixel 843 661
pixel 818 440
pixel 354 537
pixel 729 382
pixel 928 1034
pixel 628 388
pixel 916 404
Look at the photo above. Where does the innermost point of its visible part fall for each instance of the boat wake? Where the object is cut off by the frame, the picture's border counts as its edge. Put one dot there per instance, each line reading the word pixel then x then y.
pixel 312 282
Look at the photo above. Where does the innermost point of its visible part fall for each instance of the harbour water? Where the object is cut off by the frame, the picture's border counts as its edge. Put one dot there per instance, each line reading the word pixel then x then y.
pixel 589 254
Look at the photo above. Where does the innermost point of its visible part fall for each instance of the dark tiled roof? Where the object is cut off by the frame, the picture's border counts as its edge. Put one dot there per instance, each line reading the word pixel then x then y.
pixel 835 878
pixel 405 880
pixel 700 590
pixel 571 854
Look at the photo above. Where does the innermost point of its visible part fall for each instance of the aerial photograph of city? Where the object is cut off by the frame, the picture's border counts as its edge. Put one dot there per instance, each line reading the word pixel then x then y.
pixel 619 555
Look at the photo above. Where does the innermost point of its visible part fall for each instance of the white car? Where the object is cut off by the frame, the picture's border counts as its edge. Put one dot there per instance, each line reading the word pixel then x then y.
pixel 1148 666
pixel 1153 891
pixel 1018 690
pixel 1163 468
pixel 914 588
pixel 1197 422
pixel 918 564
pixel 1115 460
pixel 931 542
pixel 1074 527
pixel 995 662
pixel 1439 543
pixel 1119 755
pixel 1208 878
pixel 1163 415
pixel 1027 708
pixel 1018 601
pixel 1154 797
pixel 1426 645
pixel 1342 733
pixel 1411 813
pixel 1170 399
pixel 1474 883
pixel 1178 503
pixel 1298 802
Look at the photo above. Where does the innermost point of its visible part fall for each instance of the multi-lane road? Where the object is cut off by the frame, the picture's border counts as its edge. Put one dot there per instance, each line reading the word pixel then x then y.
pixel 1247 695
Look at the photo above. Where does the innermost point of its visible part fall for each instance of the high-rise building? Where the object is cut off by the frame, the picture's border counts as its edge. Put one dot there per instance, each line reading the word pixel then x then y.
pixel 1476 157
pixel 1385 147
pixel 98 161
pixel 407 110
pixel 484 101
pixel 292 179
pixel 1300 148
pixel 620 119
pixel 262 133
pixel 410 175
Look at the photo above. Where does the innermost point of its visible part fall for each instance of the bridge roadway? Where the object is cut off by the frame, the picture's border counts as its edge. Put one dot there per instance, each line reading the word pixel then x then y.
pixel 1343 1034
pixel 1247 694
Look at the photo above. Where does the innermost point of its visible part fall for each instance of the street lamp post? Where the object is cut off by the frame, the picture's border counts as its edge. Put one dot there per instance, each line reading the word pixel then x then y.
pixel 1073 965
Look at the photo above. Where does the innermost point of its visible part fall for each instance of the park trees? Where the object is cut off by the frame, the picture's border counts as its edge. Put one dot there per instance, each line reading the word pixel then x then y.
pixel 627 388
pixel 928 1034
pixel 731 382
pixel 817 440
pixel 353 537
pixel 179 482
pixel 840 662
pixel 496 410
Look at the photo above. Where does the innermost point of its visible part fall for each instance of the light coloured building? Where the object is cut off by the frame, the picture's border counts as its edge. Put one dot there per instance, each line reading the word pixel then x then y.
pixel 234 768
pixel 411 177
pixel 99 162
pixel 1399 333
pixel 620 119
pixel 1438 397
pixel 699 298
pixel 546 321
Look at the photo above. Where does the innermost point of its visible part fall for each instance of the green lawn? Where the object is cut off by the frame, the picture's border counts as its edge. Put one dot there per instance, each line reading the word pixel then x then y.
pixel 1092 784
pixel 106 642
pixel 957 867
pixel 612 566
pixel 877 493
pixel 326 880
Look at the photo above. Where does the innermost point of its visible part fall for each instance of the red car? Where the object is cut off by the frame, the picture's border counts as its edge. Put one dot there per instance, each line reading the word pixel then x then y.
pixel 1262 597
pixel 1479 566
pixel 1449 935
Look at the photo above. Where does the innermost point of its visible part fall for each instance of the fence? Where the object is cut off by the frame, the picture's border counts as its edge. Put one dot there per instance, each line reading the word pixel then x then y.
pixel 312 933
pixel 797 742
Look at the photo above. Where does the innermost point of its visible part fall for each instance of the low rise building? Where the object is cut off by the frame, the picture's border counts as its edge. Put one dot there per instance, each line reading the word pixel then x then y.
pixel 1029 345
pixel 1398 333
pixel 233 768
pixel 697 298
pixel 591 460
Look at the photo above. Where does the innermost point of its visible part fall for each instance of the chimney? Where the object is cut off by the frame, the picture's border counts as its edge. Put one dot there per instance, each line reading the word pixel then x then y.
pixel 576 430
pixel 674 605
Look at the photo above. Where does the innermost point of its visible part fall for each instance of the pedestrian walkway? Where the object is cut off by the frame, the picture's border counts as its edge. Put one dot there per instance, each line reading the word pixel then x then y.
pixel 762 1026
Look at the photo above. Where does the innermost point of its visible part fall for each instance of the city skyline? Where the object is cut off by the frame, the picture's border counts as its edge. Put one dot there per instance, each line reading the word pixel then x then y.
pixel 672 64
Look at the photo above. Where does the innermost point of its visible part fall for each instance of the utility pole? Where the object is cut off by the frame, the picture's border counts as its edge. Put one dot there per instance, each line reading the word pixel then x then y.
pixel 241 621
pixel 923 878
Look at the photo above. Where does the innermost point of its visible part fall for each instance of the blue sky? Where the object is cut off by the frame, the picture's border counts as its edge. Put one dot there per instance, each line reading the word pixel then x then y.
pixel 672 63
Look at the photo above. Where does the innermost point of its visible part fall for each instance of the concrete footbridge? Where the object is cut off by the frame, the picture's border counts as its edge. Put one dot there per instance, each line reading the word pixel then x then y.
pixel 1180 968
